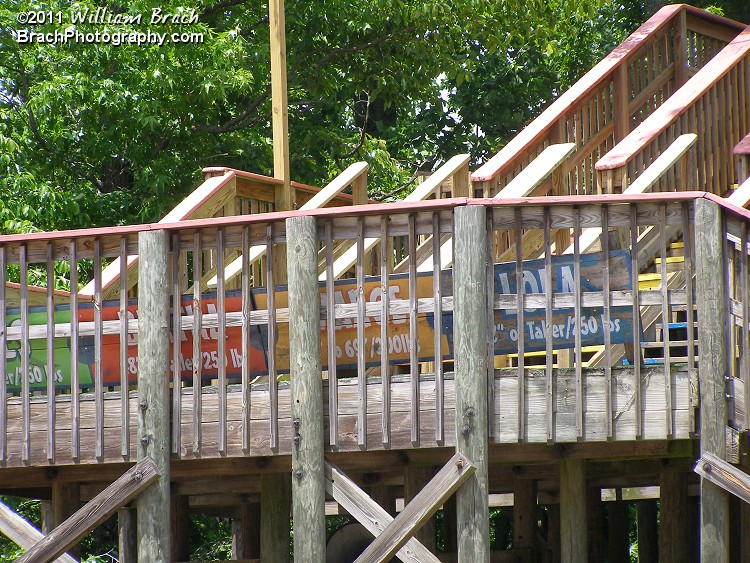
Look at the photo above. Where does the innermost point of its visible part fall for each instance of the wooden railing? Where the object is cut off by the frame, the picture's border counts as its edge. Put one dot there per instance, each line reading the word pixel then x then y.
pixel 229 390
pixel 714 103
pixel 607 103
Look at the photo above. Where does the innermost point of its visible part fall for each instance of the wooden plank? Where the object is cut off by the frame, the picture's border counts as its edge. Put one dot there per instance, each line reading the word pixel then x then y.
pixel 470 322
pixel 520 290
pixel 75 444
pixel 153 388
pixel 385 264
pixel 124 402
pixel 280 110
pixel 246 286
pixel 23 534
pixel 134 482
pixel 416 513
pixel 712 314
pixel 361 372
pixel 25 353
pixel 3 371
pixel 647 531
pixel 720 473
pixel 674 533
pixel 437 290
pixel 413 343
pixel 370 514
pixel 222 337
pixel 176 332
pixel 271 347
pixel 331 337
pixel 308 497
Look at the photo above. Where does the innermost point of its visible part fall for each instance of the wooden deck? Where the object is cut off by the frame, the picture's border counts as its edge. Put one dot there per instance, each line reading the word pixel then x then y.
pixel 654 415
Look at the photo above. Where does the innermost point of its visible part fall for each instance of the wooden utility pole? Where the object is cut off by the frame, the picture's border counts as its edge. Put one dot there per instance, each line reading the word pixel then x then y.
pixel 470 314
pixel 711 300
pixel 153 527
pixel 308 483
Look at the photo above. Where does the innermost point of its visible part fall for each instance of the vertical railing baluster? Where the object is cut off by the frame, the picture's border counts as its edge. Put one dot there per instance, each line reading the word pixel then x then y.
pixel 25 391
pixel 124 375
pixel 176 347
pixel 687 251
pixel 197 344
pixel 333 384
pixel 606 322
pixel 437 292
pixel 221 345
pixel 75 405
pixel 665 319
pixel 548 344
pixel 273 395
pixel 3 370
pixel 577 313
pixel 246 390
pixel 491 431
pixel 636 320
pixel 413 360
pixel 51 407
pixel 385 377
pixel 98 377
pixel 520 320
pixel 361 360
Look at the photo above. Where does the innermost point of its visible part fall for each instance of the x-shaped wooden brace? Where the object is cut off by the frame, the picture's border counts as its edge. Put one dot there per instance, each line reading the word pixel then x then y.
pixel 393 536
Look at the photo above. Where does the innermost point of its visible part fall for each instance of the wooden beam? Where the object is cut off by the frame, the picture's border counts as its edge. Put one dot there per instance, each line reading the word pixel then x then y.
pixel 275 498
pixel 136 480
pixel 648 531
pixel 618 525
pixel 711 299
pixel 279 105
pixel 66 500
pixel 415 478
pixel 180 527
pixel 573 525
pixel 674 531
pixel 370 514
pixel 726 476
pixel 23 534
pixel 127 541
pixel 524 514
pixel 308 496
pixel 246 532
pixel 470 318
pixel 415 514
pixel 153 393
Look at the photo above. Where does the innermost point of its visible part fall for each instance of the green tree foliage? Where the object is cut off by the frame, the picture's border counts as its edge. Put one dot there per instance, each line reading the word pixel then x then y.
pixel 100 134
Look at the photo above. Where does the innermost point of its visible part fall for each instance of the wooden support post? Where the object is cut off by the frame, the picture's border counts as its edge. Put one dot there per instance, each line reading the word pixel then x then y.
pixel 648 531
pixel 246 532
pixel 450 526
pixel 711 298
pixel 308 482
pixel 595 524
pixel 553 532
pixel 66 500
pixel 415 478
pixel 470 333
pixel 275 498
pixel 385 496
pixel 127 543
pixel 573 524
pixel 618 527
pixel 180 528
pixel 674 534
pixel 524 514
pixel 153 393
pixel 284 199
pixel 47 519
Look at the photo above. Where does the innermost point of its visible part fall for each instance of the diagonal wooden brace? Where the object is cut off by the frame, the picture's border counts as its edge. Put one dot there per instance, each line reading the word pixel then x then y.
pixel 22 533
pixel 370 514
pixel 724 475
pixel 416 513
pixel 134 481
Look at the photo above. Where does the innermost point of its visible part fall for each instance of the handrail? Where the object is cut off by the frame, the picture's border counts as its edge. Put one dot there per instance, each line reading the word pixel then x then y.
pixel 355 173
pixel 671 110
pixel 710 103
pixel 610 94
pixel 451 169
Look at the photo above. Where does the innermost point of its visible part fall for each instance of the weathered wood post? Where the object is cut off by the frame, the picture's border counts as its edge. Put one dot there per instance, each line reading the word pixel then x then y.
pixel 154 543
pixel 470 335
pixel 573 524
pixel 711 298
pixel 308 485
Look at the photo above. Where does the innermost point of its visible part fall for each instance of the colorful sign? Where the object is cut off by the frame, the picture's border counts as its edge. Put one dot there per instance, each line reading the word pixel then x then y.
pixel 562 330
